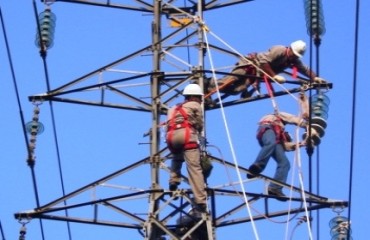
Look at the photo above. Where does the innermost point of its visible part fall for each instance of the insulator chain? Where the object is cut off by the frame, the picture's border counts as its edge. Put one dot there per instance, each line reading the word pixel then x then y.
pixel 340 228
pixel 314 18
pixel 23 230
pixel 47 27
pixel 319 115
pixel 34 128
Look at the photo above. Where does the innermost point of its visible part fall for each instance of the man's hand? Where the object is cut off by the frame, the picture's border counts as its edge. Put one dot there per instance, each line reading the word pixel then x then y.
pixel 279 79
pixel 289 146
pixel 319 80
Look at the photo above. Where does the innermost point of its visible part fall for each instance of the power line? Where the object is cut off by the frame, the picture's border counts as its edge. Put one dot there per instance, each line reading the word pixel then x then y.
pixel 43 50
pixel 21 114
pixel 353 124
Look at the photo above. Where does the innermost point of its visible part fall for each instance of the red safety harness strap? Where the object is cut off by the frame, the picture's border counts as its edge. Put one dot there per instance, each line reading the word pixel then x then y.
pixel 185 124
pixel 278 130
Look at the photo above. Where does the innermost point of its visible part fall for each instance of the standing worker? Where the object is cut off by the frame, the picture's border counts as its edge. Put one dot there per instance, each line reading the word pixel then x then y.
pixel 184 125
pixel 274 141
pixel 274 61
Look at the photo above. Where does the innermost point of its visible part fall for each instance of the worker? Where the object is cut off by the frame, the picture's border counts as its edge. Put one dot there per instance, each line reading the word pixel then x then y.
pixel 274 141
pixel 254 65
pixel 186 222
pixel 184 125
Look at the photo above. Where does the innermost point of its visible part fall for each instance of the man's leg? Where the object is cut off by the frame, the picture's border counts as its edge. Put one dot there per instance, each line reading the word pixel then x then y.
pixel 175 174
pixel 283 166
pixel 227 84
pixel 195 175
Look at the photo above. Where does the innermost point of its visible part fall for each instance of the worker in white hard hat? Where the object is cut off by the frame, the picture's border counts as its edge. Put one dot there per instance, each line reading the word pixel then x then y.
pixel 272 62
pixel 184 125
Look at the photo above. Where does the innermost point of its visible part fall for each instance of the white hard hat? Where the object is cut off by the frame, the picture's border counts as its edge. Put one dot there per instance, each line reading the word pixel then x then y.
pixel 192 89
pixel 298 48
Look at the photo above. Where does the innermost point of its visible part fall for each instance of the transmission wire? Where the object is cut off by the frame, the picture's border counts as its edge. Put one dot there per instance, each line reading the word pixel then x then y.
pixel 2 231
pixel 357 14
pixel 43 56
pixel 22 118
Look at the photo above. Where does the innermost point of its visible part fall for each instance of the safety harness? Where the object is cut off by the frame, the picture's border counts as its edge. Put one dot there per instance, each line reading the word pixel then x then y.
pixel 281 135
pixel 172 126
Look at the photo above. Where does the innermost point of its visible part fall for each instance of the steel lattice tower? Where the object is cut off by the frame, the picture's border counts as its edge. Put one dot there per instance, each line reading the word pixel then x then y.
pixel 165 209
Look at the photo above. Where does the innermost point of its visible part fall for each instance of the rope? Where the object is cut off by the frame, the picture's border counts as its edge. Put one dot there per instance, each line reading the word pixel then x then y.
pixel 297 159
pixel 304 108
pixel 229 139
pixel 297 162
pixel 271 94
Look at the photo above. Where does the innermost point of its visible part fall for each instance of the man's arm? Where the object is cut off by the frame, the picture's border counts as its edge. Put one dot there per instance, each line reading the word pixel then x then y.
pixel 292 119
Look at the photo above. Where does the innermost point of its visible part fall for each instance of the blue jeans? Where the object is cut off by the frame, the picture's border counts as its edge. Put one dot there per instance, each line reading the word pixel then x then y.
pixel 275 150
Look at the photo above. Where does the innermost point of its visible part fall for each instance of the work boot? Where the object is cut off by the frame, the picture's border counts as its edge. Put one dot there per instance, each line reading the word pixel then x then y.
pixel 276 192
pixel 209 103
pixel 173 186
pixel 247 94
pixel 198 209
pixel 253 169
pixel 202 207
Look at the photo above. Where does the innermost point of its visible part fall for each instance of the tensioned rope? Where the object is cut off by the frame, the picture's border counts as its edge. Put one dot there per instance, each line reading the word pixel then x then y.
pixel 205 29
pixel 21 116
pixel 229 136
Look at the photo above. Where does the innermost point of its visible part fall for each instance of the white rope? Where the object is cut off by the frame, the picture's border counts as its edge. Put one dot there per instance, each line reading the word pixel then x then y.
pixel 229 137
pixel 297 159
pixel 298 164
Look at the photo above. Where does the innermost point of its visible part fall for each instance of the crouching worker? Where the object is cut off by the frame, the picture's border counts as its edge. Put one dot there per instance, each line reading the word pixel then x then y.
pixel 272 62
pixel 184 125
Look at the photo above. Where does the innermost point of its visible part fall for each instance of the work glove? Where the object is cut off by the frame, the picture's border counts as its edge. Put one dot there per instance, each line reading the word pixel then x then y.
pixel 303 123
pixel 319 80
pixel 315 137
pixel 279 79
pixel 289 146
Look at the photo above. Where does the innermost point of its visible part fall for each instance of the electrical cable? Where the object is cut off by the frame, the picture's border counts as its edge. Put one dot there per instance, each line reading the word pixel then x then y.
pixel 1 227
pixel 21 117
pixel 43 56
pixel 301 220
pixel 353 120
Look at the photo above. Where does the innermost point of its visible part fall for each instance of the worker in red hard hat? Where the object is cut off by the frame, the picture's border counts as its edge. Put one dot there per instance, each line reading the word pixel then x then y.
pixel 184 126
pixel 272 62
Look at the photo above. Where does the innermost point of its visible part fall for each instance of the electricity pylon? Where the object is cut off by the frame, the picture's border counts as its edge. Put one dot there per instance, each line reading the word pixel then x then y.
pixel 121 86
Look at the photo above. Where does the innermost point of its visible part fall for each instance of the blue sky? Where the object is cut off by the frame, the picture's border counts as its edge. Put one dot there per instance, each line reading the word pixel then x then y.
pixel 94 142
